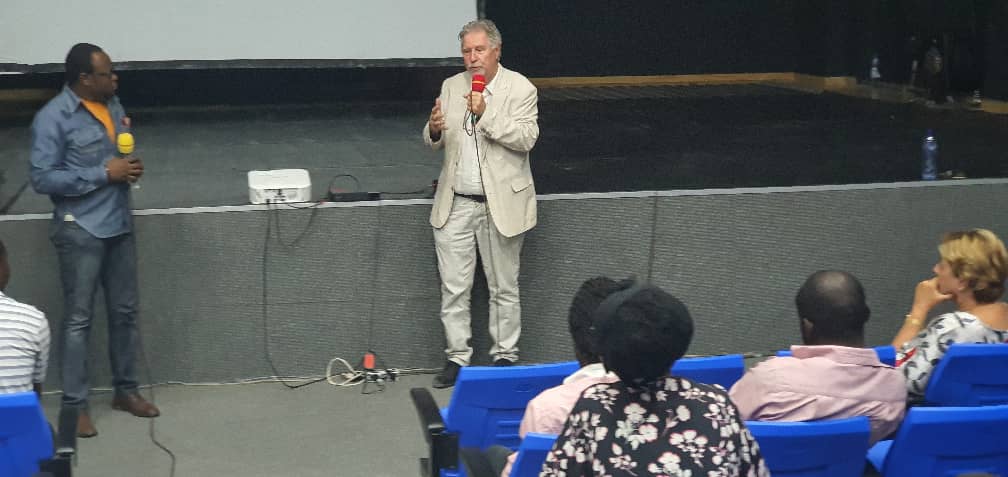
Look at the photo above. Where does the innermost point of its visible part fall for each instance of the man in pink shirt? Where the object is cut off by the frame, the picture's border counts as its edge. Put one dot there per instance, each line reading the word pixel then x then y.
pixel 833 376
pixel 547 412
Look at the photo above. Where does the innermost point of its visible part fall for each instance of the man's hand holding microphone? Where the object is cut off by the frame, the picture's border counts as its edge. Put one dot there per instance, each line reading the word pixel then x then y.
pixel 126 167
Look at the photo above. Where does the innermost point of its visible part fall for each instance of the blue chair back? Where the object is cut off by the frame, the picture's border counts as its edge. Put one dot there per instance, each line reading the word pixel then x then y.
pixel 886 354
pixel 834 448
pixel 723 370
pixel 531 454
pixel 25 438
pixel 946 441
pixel 970 375
pixel 488 403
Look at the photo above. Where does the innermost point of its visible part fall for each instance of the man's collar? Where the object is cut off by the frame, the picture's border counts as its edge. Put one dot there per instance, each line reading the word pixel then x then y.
pixel 594 370
pixel 70 100
pixel 840 354
pixel 489 88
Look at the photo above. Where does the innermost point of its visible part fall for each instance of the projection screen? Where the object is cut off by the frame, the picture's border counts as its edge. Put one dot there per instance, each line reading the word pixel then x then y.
pixel 188 33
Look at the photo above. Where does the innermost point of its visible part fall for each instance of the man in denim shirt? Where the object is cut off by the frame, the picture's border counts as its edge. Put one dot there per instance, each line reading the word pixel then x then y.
pixel 74 161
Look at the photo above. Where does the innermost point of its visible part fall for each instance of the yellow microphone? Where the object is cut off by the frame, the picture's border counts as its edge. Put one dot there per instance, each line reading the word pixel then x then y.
pixel 125 144
pixel 124 141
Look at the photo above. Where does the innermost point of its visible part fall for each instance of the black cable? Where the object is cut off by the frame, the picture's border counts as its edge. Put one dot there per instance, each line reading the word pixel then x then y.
pixel 374 278
pixel 654 231
pixel 358 184
pixel 276 216
pixel 150 389
pixel 14 198
pixel 265 295
pixel 147 367
pixel 337 176
pixel 491 307
pixel 412 192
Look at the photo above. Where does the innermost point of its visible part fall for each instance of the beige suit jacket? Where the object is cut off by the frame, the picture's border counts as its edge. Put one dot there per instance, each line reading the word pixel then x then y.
pixel 506 133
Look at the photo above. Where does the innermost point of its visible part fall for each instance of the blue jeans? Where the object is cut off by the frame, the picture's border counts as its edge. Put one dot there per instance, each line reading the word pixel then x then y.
pixel 86 260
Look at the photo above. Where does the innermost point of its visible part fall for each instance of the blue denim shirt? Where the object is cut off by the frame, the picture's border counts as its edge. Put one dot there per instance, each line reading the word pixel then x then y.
pixel 69 150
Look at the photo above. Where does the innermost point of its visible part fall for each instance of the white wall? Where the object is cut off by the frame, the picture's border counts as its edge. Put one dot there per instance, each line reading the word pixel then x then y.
pixel 41 31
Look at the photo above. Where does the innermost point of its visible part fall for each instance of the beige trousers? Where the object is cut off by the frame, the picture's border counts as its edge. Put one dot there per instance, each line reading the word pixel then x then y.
pixel 470 229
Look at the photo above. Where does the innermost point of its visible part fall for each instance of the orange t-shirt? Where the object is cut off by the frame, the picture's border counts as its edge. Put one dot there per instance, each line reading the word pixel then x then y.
pixel 100 112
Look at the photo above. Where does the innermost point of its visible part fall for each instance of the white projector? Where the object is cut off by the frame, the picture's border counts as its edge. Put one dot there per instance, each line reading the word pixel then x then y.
pixel 281 185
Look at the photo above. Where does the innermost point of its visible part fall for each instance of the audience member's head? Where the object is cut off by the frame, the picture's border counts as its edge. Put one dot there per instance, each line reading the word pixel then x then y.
pixel 640 331
pixel 582 310
pixel 832 308
pixel 4 267
pixel 977 258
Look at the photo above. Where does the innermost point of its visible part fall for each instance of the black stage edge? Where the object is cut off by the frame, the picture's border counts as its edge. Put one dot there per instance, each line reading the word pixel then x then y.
pixel 261 85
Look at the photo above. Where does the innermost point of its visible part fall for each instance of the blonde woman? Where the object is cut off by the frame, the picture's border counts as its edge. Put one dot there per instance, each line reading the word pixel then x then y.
pixel 971 273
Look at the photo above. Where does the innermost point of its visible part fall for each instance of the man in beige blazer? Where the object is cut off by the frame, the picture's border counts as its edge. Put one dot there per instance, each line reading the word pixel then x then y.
pixel 485 199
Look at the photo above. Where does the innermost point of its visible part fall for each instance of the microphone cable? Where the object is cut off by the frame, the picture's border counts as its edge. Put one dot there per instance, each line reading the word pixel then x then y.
pixel 143 355
pixel 150 390
pixel 492 308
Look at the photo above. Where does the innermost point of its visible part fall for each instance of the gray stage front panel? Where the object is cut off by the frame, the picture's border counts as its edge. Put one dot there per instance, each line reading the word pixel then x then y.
pixel 735 258
pixel 33 263
pixel 573 241
pixel 400 311
pixel 738 260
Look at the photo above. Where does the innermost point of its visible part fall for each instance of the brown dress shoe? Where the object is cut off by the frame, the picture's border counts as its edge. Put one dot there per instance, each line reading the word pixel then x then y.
pixel 135 404
pixel 85 428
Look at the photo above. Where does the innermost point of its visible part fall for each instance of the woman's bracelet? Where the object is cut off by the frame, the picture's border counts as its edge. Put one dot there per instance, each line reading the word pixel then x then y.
pixel 912 321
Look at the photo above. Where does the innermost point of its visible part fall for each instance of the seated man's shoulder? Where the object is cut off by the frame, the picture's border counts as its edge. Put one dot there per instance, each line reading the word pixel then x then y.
pixel 777 364
pixel 575 389
pixel 18 307
pixel 547 412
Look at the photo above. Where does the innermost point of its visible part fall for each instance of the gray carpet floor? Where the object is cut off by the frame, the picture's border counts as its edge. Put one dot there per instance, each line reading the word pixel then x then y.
pixel 259 430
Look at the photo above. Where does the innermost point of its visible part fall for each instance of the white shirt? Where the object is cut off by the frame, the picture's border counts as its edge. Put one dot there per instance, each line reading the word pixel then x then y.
pixel 467 175
pixel 24 346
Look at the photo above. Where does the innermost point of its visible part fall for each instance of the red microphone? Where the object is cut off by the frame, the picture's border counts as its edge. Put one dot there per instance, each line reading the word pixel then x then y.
pixel 478 84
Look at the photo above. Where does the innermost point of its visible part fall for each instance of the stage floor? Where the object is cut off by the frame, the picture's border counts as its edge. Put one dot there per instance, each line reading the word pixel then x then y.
pixel 592 140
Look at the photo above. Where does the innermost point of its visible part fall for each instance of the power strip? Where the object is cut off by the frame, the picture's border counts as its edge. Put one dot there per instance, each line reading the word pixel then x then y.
pixel 353 196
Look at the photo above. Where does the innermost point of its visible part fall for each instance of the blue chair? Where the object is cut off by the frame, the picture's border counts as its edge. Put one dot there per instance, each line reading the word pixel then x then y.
pixel 886 354
pixel 723 370
pixel 528 462
pixel 946 441
pixel 531 454
pixel 833 448
pixel 25 438
pixel 486 408
pixel 970 375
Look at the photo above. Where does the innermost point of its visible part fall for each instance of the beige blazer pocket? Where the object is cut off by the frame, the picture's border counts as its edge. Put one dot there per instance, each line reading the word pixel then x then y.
pixel 520 184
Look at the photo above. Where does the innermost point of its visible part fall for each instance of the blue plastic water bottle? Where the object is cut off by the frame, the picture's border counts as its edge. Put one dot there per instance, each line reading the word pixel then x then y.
pixel 929 166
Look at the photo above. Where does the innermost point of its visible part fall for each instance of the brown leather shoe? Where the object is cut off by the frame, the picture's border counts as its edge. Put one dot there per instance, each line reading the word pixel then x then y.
pixel 135 404
pixel 85 428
